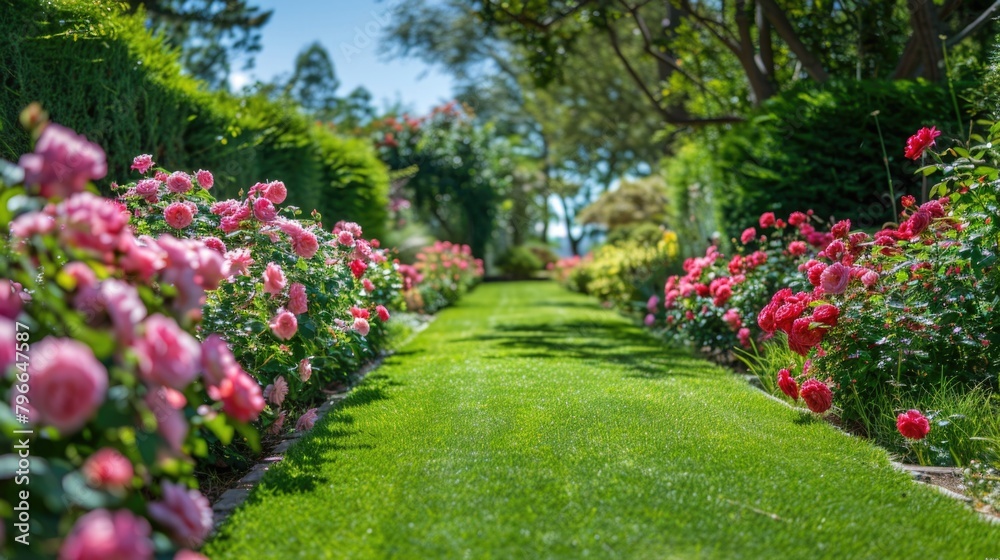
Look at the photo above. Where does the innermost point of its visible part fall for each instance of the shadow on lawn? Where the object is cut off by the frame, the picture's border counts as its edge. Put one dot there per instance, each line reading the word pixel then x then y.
pixel 593 341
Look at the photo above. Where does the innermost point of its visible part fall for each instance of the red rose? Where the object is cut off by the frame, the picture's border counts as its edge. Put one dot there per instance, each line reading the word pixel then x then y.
pixel 815 273
pixel 817 395
pixel 802 337
pixel 788 385
pixel 913 425
pixel 841 229
pixel 826 314
pixel 749 235
pixel 767 219
pixel 923 139
pixel 786 315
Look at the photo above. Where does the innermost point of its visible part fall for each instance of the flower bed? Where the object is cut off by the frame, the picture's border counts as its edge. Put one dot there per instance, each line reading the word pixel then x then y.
pixel 146 335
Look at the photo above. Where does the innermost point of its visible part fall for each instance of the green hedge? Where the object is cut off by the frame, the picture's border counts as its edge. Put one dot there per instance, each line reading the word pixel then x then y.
pixel 816 147
pixel 98 71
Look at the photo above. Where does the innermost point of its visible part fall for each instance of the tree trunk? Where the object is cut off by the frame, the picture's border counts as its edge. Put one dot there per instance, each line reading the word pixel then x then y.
pixel 760 84
pixel 786 31
pixel 923 18
pixel 766 45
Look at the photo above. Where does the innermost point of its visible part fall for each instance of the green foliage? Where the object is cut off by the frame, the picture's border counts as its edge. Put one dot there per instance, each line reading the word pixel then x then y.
pixel 100 72
pixel 814 147
pixel 627 272
pixel 520 262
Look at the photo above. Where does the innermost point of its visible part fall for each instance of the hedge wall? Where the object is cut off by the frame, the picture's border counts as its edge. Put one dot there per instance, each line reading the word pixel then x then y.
pixel 815 147
pixel 98 71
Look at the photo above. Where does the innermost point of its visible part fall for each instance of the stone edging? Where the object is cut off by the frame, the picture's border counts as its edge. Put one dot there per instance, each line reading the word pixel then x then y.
pixel 234 497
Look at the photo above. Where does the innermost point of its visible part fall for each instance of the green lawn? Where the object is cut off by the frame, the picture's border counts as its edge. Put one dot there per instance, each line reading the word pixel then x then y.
pixel 528 422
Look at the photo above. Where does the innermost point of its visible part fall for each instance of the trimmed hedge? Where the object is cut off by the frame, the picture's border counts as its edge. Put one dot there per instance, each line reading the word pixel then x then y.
pixel 97 70
pixel 815 147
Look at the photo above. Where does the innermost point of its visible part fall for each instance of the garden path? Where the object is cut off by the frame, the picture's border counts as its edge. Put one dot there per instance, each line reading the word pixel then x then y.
pixel 528 422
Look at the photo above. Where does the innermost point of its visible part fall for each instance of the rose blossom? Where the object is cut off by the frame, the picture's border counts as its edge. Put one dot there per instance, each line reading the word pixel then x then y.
pixel 215 244
pixel 10 299
pixel 90 222
pixel 305 370
pixel 62 162
pixel 382 312
pixel 815 273
pixel 817 395
pixel 358 268
pixel 240 395
pixel 142 163
pixel 185 513
pixel 167 355
pixel 264 211
pixel 239 261
pixel 204 178
pixel 923 139
pixel 103 535
pixel 274 191
pixel 306 421
pixel 841 229
pixel 869 278
pixel 147 187
pixel 767 220
pixel 274 279
pixel 167 407
pixel 826 314
pixel 277 392
pixel 8 352
pixel 179 215
pixel 179 182
pixel 345 238
pixel 279 422
pixel 913 425
pixel 797 248
pixel 108 469
pixel 359 312
pixel 649 320
pixel 361 326
pixel 284 325
pixel 743 335
pixel 298 302
pixel 788 385
pixel 216 360
pixel 305 244
pixel 834 279
pixel 803 336
pixel 368 285
pixel 31 224
pixel 67 384
pixel 748 235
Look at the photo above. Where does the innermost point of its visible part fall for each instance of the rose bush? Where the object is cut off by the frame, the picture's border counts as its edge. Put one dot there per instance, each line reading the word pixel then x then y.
pixel 713 306
pixel 443 273
pixel 106 392
pixel 296 302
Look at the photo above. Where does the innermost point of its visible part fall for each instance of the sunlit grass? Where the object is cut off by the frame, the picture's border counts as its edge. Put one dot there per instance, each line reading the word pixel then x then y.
pixel 529 423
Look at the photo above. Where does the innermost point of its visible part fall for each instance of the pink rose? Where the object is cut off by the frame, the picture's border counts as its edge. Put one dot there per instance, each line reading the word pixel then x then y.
pixel 345 238
pixel 167 406
pixel 284 325
pixel 367 285
pixel 749 235
pixel 732 318
pixel 89 222
pixel 179 215
pixel 240 395
pixel 361 326
pixel 105 535
pixel 298 302
pixel 305 370
pixel 62 162
pixel 869 278
pixel 239 261
pixel 217 361
pixel 652 303
pixel 274 279
pixel 923 139
pixel 264 211
pixel 108 469
pixel 743 335
pixel 167 355
pixel 67 384
pixel 147 187
pixel 359 312
pixel 841 229
pixel 28 225
pixel 215 244
pixel 184 512
pixel 834 278
pixel 277 391
pixel 274 191
pixel 649 320
pixel 382 312
pixel 204 178
pixel 278 423
pixel 142 259
pixel 358 268
pixel 305 244
pixel 179 182
pixel 10 300
pixel 306 421
pixel 122 303
pixel 767 220
pixel 797 248
pixel 142 163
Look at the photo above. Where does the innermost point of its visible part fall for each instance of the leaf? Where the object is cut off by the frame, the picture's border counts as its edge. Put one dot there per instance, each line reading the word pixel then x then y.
pixel 79 492
pixel 221 429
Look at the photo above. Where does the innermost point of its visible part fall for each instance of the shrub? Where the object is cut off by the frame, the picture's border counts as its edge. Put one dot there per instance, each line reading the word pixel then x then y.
pixel 97 70
pixel 303 307
pixel 444 273
pixel 813 147
pixel 520 262
pixel 119 397
pixel 627 272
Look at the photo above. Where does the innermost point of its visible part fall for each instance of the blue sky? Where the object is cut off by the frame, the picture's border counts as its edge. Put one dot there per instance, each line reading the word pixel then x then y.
pixel 351 31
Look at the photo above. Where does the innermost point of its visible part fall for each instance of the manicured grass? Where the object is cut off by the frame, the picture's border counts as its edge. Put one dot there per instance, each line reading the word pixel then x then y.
pixel 530 423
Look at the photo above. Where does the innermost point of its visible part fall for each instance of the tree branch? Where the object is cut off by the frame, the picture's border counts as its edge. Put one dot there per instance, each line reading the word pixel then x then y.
pixel 974 26
pixel 784 29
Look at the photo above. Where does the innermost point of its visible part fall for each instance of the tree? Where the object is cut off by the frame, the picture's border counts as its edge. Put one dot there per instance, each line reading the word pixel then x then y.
pixel 211 34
